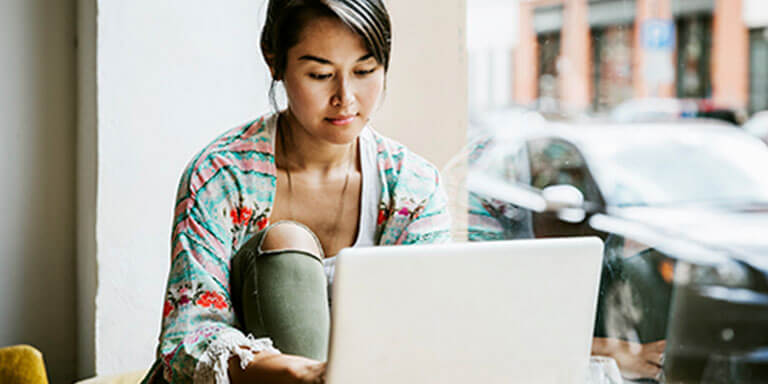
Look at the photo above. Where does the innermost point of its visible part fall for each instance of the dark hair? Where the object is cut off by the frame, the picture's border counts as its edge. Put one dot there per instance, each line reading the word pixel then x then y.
pixel 287 18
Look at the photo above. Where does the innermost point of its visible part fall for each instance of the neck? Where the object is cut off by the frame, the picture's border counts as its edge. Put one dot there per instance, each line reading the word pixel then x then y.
pixel 297 150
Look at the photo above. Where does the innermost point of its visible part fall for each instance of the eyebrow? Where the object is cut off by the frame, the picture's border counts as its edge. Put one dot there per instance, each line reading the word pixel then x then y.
pixel 326 61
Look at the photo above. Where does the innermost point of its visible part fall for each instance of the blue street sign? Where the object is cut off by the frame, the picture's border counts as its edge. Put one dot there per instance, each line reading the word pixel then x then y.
pixel 658 34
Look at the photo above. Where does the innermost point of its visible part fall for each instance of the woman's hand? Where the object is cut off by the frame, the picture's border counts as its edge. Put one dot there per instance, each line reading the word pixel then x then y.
pixel 307 371
pixel 277 368
pixel 635 360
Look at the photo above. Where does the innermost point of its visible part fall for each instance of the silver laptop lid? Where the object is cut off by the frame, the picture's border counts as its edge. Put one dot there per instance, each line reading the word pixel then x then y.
pixel 494 312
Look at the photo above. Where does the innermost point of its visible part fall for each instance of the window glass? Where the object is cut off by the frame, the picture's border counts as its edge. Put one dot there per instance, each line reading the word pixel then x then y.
pixel 644 123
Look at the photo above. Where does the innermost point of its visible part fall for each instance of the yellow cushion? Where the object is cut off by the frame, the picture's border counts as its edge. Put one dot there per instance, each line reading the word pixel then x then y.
pixel 126 378
pixel 22 364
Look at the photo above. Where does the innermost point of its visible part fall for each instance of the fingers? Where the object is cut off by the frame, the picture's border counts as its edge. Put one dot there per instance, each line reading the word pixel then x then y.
pixel 322 376
pixel 317 374
pixel 654 352
pixel 650 370
pixel 640 370
pixel 654 358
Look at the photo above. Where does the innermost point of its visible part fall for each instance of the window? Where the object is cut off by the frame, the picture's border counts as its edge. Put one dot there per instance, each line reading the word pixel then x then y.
pixel 653 116
pixel 693 56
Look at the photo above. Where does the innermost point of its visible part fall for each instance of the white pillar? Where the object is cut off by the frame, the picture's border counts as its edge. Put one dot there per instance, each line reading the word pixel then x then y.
pixel 426 90
pixel 159 80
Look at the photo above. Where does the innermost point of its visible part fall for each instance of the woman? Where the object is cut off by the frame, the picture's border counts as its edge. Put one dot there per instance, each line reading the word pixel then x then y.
pixel 261 208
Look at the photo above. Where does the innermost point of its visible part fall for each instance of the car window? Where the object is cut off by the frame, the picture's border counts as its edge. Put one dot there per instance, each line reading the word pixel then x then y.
pixel 555 161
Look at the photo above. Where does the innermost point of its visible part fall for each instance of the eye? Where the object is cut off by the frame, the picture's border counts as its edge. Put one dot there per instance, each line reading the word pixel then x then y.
pixel 364 72
pixel 320 76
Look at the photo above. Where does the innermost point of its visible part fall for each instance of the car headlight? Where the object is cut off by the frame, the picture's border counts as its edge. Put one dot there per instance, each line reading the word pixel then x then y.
pixel 729 274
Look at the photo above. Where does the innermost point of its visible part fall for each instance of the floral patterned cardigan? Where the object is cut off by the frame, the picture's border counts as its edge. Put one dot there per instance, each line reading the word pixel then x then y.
pixel 224 197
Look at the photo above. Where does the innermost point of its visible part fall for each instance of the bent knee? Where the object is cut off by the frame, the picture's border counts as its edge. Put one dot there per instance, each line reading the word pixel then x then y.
pixel 290 235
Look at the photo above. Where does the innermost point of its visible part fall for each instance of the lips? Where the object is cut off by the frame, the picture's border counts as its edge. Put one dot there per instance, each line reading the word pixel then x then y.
pixel 340 120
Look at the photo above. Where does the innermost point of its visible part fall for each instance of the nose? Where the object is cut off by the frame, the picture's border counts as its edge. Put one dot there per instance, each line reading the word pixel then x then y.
pixel 344 94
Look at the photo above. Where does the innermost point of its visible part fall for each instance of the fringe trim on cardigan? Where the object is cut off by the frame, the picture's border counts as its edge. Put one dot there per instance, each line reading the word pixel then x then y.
pixel 213 366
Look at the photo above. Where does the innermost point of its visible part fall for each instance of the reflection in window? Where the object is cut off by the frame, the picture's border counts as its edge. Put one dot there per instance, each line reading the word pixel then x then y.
pixel 758 69
pixel 555 162
pixel 612 66
pixel 693 56
pixel 628 88
pixel 549 89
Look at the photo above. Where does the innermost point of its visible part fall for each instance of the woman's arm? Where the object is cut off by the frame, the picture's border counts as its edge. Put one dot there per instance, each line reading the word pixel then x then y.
pixel 198 329
pixel 212 215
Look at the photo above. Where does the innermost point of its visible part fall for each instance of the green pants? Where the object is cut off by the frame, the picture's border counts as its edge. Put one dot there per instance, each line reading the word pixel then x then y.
pixel 282 294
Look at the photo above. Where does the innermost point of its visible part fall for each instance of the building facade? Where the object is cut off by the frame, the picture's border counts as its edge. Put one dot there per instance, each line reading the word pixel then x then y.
pixel 590 55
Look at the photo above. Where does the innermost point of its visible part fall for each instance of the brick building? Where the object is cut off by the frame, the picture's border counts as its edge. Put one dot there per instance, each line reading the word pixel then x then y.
pixel 593 54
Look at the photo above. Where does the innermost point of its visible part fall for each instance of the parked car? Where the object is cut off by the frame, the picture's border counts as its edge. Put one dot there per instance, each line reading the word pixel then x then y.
pixel 683 209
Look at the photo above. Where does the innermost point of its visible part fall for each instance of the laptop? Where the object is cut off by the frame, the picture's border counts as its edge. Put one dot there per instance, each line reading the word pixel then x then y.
pixel 517 311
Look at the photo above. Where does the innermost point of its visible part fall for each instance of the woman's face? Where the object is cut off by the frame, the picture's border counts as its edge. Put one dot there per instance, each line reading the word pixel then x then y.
pixel 332 81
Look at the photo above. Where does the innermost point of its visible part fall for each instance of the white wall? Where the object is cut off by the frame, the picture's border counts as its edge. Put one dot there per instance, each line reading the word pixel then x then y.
pixel 161 79
pixel 169 76
pixel 37 198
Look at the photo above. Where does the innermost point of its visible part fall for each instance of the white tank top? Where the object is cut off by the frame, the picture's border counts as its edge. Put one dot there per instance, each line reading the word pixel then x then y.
pixel 370 196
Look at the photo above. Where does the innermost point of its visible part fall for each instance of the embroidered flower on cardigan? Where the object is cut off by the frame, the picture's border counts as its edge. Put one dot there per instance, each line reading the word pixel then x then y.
pixel 186 294
pixel 167 308
pixel 241 215
pixel 262 222
pixel 246 220
pixel 382 217
pixel 251 219
pixel 211 298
